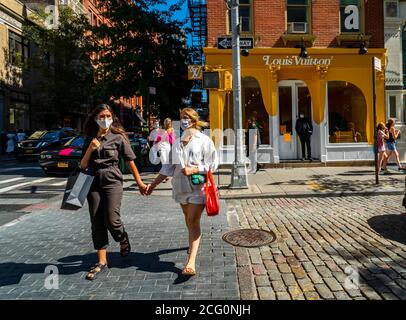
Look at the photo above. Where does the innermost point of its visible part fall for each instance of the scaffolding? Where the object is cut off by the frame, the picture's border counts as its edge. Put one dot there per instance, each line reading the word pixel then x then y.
pixel 198 22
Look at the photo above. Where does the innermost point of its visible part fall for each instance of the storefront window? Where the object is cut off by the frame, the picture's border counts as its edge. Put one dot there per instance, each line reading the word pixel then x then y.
pixel 19 111
pixel 245 14
pixel 254 108
pixel 404 57
pixel 298 16
pixel 392 107
pixel 346 113
pixel 391 9
pixel 350 16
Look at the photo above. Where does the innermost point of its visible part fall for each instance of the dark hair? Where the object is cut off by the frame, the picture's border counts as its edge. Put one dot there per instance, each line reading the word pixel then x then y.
pixel 390 123
pixel 91 127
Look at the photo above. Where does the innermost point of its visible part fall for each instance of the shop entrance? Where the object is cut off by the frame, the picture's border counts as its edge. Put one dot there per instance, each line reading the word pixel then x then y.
pixel 293 97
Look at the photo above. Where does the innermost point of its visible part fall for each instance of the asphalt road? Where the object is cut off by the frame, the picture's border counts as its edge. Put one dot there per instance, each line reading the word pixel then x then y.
pixel 24 188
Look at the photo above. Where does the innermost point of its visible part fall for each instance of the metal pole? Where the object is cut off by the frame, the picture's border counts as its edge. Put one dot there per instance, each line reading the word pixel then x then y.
pixel 375 131
pixel 239 178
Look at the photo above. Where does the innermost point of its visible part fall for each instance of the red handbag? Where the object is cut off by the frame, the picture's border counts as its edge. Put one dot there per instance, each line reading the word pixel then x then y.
pixel 212 196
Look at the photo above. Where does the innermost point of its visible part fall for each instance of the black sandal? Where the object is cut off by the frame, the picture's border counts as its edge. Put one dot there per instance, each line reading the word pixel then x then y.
pixel 95 270
pixel 125 247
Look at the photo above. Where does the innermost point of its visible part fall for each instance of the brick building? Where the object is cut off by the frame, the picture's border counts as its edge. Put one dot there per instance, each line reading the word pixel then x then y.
pixel 16 94
pixel 307 56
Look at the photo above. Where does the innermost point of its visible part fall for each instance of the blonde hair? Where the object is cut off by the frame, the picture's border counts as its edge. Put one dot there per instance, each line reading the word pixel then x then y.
pixel 167 123
pixel 192 114
pixel 381 126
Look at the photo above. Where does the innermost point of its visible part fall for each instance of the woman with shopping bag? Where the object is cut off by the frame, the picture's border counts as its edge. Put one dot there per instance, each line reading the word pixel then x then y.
pixel 105 142
pixel 192 157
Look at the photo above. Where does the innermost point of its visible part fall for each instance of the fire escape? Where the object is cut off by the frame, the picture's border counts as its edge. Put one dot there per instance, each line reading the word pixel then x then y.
pixel 198 21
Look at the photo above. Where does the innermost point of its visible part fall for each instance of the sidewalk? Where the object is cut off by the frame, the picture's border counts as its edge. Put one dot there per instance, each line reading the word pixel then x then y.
pixel 305 182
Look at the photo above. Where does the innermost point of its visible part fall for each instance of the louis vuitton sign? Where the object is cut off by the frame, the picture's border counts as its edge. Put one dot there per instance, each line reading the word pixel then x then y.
pixel 297 61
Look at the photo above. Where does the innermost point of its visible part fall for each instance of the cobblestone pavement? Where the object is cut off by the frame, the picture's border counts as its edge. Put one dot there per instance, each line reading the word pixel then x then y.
pixel 152 271
pixel 323 245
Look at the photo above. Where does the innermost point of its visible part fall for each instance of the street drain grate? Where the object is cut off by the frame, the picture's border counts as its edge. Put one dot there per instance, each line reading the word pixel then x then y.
pixel 249 238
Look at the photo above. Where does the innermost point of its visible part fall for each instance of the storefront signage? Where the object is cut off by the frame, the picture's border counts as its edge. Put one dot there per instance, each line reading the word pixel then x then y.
pixel 226 43
pixel 297 61
pixel 195 72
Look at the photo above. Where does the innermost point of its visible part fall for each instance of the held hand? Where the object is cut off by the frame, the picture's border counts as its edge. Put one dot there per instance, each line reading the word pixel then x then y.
pixel 188 171
pixel 143 189
pixel 149 190
pixel 95 144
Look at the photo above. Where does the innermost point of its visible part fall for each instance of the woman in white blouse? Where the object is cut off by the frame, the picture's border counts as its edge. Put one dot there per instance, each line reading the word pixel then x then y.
pixel 193 153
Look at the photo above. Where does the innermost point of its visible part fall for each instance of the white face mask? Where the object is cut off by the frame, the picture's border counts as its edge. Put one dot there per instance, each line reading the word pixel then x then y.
pixel 185 124
pixel 156 126
pixel 301 116
pixel 105 124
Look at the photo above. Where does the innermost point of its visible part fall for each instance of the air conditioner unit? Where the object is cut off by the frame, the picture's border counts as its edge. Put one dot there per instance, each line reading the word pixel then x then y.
pixel 297 27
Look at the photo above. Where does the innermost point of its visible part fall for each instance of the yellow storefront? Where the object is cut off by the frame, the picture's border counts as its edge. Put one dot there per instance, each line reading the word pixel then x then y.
pixel 333 86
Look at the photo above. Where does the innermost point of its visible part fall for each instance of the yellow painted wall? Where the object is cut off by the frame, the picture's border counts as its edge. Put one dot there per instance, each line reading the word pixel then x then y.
pixel 347 65
pixel 12 5
pixel 3 44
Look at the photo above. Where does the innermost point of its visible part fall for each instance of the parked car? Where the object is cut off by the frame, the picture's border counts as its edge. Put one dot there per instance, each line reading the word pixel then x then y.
pixel 42 140
pixel 63 159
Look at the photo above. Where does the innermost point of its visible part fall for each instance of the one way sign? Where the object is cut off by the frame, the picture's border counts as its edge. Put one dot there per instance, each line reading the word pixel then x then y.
pixel 226 43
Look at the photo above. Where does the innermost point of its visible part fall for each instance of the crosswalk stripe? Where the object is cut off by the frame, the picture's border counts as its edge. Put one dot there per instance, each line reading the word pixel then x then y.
pixel 11 180
pixel 24 184
pixel 62 183
pixel 19 168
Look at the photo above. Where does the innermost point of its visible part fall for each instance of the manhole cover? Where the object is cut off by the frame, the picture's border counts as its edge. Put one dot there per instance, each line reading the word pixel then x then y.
pixel 249 238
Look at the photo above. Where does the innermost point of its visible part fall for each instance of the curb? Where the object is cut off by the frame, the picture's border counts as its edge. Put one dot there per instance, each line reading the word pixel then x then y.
pixel 246 282
pixel 310 195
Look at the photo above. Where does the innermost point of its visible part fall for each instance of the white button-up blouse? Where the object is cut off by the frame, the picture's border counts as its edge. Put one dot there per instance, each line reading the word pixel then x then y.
pixel 200 152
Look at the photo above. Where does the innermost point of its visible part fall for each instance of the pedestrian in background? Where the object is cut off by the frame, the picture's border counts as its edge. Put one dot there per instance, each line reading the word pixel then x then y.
pixel 3 143
pixel 382 135
pixel 304 130
pixel 153 137
pixel 105 142
pixel 11 142
pixel 193 154
pixel 21 135
pixel 166 141
pixel 252 141
pixel 393 134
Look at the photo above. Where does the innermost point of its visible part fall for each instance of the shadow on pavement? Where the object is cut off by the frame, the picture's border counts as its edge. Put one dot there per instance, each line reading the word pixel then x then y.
pixel 390 226
pixel 11 272
pixel 340 185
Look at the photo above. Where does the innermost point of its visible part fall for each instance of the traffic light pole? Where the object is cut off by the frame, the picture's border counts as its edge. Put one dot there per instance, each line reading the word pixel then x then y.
pixel 239 178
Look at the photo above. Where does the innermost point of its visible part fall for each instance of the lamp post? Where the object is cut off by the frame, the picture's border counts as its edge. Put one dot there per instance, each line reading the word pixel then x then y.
pixel 239 171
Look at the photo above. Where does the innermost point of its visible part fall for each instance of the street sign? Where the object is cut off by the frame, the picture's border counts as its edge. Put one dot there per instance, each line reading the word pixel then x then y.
pixel 152 90
pixel 226 43
pixel 195 72
pixel 378 64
